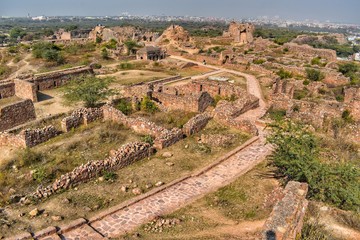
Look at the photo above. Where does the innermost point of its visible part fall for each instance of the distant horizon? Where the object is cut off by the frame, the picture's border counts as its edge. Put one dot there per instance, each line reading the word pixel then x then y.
pixel 334 11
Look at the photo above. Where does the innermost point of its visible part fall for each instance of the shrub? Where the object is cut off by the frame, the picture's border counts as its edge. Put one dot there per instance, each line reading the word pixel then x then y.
pixel 110 176
pixel 296 156
pixel 124 106
pixel 147 105
pixel 284 74
pixel 314 74
pixel 125 66
pixel 339 98
pixel 39 174
pixel 316 61
pixel 276 114
pixel 259 61
pixel 148 139
pixel 104 54
pixel 346 116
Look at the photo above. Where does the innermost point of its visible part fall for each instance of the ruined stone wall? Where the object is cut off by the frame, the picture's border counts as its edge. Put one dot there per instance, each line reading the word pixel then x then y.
pixel 234 109
pixel 7 89
pixel 25 90
pixel 168 138
pixel 35 137
pixel 81 116
pixel 286 219
pixel 196 124
pixel 138 90
pixel 316 114
pixel 55 79
pixel 163 136
pixel 284 87
pixel 241 124
pixel 12 140
pixel 352 101
pixel 16 114
pixel 189 103
pixel 124 156
pixel 308 51
pixel 214 88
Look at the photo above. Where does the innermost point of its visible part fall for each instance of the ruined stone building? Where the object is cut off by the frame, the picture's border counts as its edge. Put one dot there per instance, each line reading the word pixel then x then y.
pixel 175 35
pixel 123 34
pixel 150 53
pixel 241 32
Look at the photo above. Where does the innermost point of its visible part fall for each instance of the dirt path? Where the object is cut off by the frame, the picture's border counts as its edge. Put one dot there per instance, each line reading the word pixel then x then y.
pixel 22 66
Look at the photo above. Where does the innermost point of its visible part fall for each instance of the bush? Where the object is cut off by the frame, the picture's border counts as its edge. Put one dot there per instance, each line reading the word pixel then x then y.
pixel 296 156
pixel 148 139
pixel 124 106
pixel 110 176
pixel 39 174
pixel 346 116
pixel 125 66
pixel 148 106
pixel 314 74
pixel 104 54
pixel 284 74
pixel 259 61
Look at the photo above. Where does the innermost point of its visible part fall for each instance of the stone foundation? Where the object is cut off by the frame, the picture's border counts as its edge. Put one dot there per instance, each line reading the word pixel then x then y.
pixel 7 89
pixel 286 219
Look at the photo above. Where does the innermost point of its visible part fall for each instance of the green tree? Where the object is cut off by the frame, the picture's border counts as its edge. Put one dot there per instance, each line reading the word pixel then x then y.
pixel 17 32
pixel 87 89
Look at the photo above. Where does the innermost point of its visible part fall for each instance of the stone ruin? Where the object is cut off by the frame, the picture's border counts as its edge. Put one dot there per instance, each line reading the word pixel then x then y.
pixel 28 87
pixel 308 51
pixel 286 219
pixel 242 33
pixel 17 113
pixel 28 137
pixel 81 116
pixel 197 96
pixel 175 35
pixel 123 34
pixel 124 156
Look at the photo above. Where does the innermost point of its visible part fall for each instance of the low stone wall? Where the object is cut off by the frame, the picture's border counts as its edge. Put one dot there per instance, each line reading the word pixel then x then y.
pixel 196 124
pixel 286 219
pixel 16 114
pixel 35 137
pixel 166 80
pixel 168 138
pixel 25 90
pixel 11 140
pixel 55 79
pixel 234 109
pixel 124 156
pixel 7 89
pixel 163 137
pixel 81 116
pixel 243 125
pixel 190 103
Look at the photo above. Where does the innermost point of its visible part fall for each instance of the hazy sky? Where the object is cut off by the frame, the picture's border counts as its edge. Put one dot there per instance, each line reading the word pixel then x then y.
pixel 333 10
